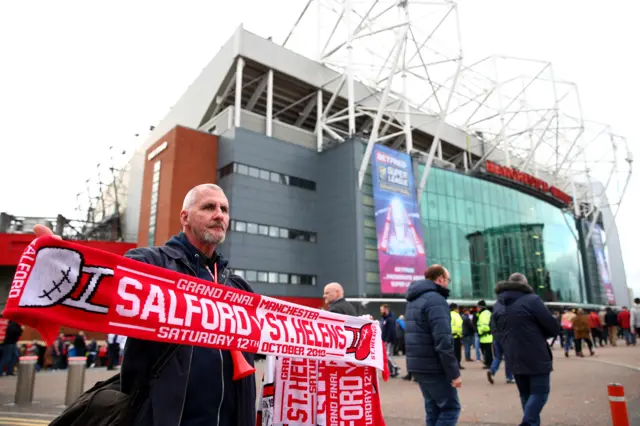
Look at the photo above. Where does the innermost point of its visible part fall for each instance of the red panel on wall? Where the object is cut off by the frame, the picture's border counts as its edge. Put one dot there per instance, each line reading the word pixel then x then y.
pixel 12 246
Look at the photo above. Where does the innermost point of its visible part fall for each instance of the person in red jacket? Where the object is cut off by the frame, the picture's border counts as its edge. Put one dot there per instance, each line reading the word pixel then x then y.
pixel 596 329
pixel 624 320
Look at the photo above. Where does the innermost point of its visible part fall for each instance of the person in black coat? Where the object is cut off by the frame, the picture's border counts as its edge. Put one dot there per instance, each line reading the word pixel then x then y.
pixel 431 359
pixel 389 338
pixel 334 298
pixel 522 324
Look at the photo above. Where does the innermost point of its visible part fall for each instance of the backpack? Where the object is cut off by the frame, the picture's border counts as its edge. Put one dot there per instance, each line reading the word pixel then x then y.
pixel 106 405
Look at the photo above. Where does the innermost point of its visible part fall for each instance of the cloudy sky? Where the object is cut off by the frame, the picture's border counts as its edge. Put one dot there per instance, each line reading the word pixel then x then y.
pixel 77 77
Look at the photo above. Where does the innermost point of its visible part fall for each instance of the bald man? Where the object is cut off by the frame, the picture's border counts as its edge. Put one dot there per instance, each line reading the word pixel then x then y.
pixel 334 298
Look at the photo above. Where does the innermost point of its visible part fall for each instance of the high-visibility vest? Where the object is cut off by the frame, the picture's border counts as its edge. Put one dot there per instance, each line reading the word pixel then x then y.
pixel 484 327
pixel 456 325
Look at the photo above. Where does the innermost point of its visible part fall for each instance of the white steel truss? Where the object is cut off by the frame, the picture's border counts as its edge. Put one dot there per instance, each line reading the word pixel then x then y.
pixel 408 56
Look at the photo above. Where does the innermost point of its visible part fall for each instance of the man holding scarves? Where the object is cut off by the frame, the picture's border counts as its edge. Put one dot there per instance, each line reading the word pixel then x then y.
pixel 195 387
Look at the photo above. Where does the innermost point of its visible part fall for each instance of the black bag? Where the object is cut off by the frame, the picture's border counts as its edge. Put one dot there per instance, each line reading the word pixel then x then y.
pixel 106 405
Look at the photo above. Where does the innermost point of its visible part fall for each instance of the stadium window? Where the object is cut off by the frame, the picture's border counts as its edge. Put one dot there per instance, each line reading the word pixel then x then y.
pixel 252 228
pixel 153 211
pixel 267 175
pixel 251 276
pixel 273 277
pixel 263 277
pixel 273 231
pixel 283 278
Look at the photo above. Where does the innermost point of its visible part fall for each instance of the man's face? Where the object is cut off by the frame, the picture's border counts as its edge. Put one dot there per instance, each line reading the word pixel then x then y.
pixel 383 310
pixel 444 280
pixel 330 294
pixel 208 217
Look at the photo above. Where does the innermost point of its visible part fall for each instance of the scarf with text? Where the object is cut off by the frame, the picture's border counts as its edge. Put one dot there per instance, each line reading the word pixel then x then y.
pixel 61 283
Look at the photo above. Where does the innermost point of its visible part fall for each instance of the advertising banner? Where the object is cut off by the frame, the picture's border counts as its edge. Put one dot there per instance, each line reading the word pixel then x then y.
pixel 603 268
pixel 401 253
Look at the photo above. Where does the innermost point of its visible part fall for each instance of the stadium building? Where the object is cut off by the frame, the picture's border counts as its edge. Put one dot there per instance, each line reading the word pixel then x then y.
pixel 331 179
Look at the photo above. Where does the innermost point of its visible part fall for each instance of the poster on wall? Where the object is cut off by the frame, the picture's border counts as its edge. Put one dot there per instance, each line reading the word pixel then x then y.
pixel 601 261
pixel 401 254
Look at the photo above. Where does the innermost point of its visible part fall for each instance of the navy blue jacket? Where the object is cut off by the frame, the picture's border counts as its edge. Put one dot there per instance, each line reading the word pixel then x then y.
pixel 388 326
pixel 195 386
pixel 428 339
pixel 522 324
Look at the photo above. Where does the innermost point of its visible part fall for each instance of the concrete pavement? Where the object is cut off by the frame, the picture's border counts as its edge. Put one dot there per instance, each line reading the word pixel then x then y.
pixel 578 396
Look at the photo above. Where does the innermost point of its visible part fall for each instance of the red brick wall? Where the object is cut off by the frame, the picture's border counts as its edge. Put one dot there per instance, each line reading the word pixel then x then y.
pixel 191 158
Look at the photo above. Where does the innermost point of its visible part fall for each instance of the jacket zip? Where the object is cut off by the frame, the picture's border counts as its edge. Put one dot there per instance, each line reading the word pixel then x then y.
pixel 219 352
pixel 184 397
pixel 222 379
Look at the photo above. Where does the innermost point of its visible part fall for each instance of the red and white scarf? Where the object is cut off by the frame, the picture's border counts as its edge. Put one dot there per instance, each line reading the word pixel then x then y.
pixel 61 283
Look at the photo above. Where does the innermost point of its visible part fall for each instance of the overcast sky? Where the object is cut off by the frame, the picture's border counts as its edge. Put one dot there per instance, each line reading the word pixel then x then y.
pixel 77 77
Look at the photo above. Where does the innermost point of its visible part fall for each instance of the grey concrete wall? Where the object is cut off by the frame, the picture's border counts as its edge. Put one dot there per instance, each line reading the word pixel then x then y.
pixel 330 211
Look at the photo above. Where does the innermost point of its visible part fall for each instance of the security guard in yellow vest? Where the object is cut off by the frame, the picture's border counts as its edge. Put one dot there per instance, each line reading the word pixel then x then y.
pixel 484 332
pixel 456 330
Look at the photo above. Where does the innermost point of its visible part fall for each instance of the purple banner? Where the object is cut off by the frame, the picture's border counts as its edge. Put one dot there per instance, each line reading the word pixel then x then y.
pixel 401 254
pixel 601 260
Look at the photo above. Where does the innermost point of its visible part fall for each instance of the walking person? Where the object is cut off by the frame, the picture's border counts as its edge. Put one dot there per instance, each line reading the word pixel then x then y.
pixel 624 321
pixel 522 324
pixel 635 318
pixel 456 331
pixel 567 329
pixel 334 298
pixel 611 322
pixel 581 332
pixel 10 352
pixel 467 333
pixel 388 326
pixel 484 331
pixel 430 354
pixel 596 329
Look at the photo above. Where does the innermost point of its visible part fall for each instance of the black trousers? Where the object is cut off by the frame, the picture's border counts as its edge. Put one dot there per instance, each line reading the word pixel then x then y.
pixel 579 345
pixel 487 352
pixel 113 355
pixel 457 348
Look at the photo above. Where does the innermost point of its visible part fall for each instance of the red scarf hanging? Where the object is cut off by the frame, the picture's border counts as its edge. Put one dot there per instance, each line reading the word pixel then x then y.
pixel 61 283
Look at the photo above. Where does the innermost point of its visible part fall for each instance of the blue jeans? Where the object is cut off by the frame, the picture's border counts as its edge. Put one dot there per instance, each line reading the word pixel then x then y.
pixel 476 343
pixel 628 336
pixel 498 353
pixel 568 339
pixel 534 392
pixel 10 355
pixel 467 341
pixel 440 399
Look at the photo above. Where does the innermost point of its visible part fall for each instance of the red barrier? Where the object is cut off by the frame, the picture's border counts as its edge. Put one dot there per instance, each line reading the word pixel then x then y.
pixel 618 405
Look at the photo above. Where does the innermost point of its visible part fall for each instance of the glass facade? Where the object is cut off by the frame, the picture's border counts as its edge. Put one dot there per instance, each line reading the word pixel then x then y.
pixel 482 232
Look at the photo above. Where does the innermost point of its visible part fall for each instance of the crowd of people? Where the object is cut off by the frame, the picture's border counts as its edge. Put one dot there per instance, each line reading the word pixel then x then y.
pixel 56 356
pixel 194 385
pixel 519 330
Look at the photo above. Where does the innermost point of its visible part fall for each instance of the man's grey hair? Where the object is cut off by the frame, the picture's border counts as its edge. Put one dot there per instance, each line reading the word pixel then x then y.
pixel 192 195
pixel 517 277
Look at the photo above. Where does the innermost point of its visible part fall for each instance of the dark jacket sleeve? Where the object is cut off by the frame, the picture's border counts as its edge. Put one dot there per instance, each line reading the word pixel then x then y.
pixel 544 318
pixel 439 321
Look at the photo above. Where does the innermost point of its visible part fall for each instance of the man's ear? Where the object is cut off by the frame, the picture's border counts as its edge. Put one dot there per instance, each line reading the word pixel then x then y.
pixel 184 215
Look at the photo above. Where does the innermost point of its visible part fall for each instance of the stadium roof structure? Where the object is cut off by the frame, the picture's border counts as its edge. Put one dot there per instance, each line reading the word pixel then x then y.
pixel 393 72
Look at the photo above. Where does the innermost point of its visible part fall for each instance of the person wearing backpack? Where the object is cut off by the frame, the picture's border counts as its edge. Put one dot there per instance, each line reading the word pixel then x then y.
pixel 567 329
pixel 162 384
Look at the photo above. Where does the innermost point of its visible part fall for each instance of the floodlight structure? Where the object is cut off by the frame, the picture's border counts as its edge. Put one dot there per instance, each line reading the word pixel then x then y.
pixel 512 111
pixel 406 53
pixel 527 119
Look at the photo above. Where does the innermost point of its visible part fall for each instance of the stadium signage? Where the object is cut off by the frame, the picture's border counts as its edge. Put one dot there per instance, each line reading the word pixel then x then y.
pixel 153 154
pixel 528 180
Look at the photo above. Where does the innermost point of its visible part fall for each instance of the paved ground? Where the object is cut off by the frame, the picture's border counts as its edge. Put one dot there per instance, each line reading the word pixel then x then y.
pixel 578 397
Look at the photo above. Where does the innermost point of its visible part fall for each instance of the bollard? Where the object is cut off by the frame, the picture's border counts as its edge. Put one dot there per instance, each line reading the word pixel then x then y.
pixel 26 379
pixel 75 378
pixel 618 405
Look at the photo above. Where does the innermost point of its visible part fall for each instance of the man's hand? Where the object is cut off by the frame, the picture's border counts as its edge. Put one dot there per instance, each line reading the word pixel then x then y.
pixel 43 231
pixel 457 383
